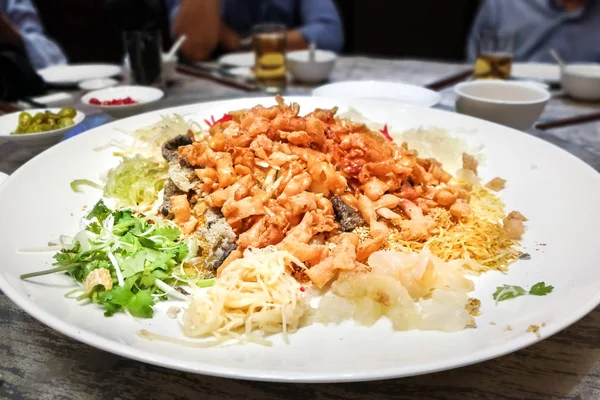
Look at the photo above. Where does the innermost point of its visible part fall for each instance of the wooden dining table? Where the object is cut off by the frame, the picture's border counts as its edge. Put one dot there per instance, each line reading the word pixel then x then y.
pixel 39 363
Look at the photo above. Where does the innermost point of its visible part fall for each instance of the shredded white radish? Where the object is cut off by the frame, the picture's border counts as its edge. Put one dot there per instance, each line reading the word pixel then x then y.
pixel 115 264
pixel 254 295
pixel 169 290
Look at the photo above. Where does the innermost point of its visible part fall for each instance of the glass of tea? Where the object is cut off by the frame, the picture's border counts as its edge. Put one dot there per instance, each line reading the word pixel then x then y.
pixel 495 55
pixel 268 41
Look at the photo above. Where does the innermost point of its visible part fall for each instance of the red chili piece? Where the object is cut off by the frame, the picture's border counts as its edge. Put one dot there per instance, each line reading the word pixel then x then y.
pixel 386 133
pixel 302 289
pixel 224 118
pixel 115 102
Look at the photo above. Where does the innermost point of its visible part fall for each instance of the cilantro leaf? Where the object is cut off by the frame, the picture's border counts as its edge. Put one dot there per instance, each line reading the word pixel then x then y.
pixel 506 292
pixel 100 211
pixel 120 297
pixel 540 289
pixel 141 304
pixel 168 232
pixel 132 265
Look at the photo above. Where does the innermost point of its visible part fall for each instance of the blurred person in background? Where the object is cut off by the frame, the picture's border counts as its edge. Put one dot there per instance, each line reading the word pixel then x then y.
pixel 21 16
pixel 571 27
pixel 214 26
pixel 91 31
pixel 17 76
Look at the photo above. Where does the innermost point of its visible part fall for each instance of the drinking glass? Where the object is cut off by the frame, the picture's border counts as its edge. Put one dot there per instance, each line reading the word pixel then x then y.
pixel 268 41
pixel 494 55
pixel 144 52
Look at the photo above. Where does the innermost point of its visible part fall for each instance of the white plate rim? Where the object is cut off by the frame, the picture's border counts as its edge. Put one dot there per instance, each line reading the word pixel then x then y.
pixel 526 71
pixel 436 97
pixel 46 73
pixel 97 341
pixel 239 59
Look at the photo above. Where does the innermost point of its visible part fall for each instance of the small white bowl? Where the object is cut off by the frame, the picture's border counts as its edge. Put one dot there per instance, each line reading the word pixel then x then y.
pixel 581 81
pixel 9 123
pixel 380 90
pixel 98 83
pixel 512 104
pixel 304 70
pixel 169 67
pixel 143 95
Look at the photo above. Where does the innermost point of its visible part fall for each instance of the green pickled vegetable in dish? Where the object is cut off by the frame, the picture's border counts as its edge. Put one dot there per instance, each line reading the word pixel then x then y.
pixel 45 121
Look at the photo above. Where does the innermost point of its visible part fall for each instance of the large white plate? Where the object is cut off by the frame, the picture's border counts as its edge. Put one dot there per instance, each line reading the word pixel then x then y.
pixel 39 205
pixel 537 71
pixel 401 92
pixel 72 74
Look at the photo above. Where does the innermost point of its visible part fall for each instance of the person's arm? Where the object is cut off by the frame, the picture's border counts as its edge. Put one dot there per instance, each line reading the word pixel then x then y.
pixel 320 24
pixel 485 20
pixel 200 21
pixel 42 51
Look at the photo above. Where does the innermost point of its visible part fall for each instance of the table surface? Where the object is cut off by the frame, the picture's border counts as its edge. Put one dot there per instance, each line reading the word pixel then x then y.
pixel 39 363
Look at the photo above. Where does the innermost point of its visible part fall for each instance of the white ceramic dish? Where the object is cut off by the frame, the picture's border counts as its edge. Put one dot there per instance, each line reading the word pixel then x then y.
pixel 169 67
pixel 304 70
pixel 97 83
pixel 66 75
pixel 347 352
pixel 9 122
pixel 581 81
pixel 143 95
pixel 536 71
pixel 242 72
pixel 513 104
pixel 244 59
pixel 3 177
pixel 381 90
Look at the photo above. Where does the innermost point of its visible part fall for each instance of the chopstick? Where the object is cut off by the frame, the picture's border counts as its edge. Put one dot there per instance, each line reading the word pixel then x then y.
pixel 215 70
pixel 7 108
pixel 578 119
pixel 200 73
pixel 33 103
pixel 450 80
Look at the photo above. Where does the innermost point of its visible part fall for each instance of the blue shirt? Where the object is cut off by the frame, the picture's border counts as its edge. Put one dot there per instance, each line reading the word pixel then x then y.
pixel 317 20
pixel 42 51
pixel 542 25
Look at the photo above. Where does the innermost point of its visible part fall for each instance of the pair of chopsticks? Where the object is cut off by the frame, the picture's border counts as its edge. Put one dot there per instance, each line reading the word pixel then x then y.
pixel 203 73
pixel 578 119
pixel 450 80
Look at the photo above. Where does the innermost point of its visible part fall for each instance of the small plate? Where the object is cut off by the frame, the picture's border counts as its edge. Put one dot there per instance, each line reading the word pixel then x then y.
pixel 245 59
pixel 9 122
pixel 143 95
pixel 68 75
pixel 242 72
pixel 538 71
pixel 380 90
pixel 97 83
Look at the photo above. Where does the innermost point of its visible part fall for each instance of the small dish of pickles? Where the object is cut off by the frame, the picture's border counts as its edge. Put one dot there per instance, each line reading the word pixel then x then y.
pixel 38 127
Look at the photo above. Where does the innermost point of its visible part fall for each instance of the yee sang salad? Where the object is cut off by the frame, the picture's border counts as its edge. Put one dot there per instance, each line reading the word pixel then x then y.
pixel 263 211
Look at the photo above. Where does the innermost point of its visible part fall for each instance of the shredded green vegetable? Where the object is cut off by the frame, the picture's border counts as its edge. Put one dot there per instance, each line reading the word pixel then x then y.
pixel 204 283
pixel 78 183
pixel 136 181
